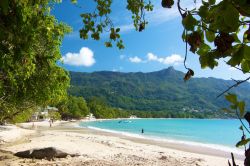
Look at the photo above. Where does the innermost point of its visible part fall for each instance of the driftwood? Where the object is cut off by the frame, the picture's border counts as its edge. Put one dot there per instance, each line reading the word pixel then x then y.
pixel 44 153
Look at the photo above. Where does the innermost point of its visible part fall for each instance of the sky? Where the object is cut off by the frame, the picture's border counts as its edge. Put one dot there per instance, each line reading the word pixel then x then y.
pixel 158 47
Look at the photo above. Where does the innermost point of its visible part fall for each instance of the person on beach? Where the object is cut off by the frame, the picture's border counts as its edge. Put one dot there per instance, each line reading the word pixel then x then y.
pixel 50 123
pixel 142 131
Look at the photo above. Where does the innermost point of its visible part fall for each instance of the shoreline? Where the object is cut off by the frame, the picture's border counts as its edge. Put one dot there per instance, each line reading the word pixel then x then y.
pixel 195 147
pixel 104 148
pixel 189 146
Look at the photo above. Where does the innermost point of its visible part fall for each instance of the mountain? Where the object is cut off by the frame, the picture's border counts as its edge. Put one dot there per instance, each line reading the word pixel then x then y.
pixel 162 90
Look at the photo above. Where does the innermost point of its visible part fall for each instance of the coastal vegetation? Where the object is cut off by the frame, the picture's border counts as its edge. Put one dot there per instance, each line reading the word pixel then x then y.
pixel 30 39
pixel 163 91
pixel 73 108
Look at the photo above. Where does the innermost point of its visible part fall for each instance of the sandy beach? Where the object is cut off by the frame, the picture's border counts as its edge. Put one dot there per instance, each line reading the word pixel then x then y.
pixel 99 148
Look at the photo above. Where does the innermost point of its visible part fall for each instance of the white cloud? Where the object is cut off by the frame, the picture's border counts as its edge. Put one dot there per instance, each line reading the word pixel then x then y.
pixel 135 59
pixel 84 58
pixel 174 59
pixel 152 57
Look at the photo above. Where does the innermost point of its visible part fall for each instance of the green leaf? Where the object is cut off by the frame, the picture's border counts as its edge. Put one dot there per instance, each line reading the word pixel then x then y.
pixel 237 57
pixel 120 45
pixel 95 36
pixel 112 36
pixel 210 36
pixel 242 142
pixel 117 30
pixel 231 17
pixel 203 11
pixel 247 52
pixel 208 60
pixel 189 22
pixel 236 39
pixel 4 5
pixel 73 1
pixel 204 48
pixel 232 98
pixel 241 106
pixel 242 56
pixel 205 3
pixel 245 66
pixel 211 2
pixel 108 44
pixel 226 17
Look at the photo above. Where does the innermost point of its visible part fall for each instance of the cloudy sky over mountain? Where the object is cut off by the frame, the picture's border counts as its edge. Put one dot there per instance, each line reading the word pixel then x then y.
pixel 157 47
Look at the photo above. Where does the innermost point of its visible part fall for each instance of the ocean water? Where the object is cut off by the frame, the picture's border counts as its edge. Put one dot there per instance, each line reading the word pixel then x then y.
pixel 214 133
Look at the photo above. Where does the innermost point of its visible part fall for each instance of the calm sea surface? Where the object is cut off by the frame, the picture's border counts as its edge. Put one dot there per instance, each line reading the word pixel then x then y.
pixel 218 133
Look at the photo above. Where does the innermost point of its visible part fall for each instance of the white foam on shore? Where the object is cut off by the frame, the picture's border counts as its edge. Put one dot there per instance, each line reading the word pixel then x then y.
pixel 222 148
pixel 117 132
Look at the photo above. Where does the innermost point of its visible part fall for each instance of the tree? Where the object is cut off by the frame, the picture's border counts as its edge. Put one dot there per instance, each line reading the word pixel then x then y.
pixel 30 41
pixel 100 109
pixel 73 107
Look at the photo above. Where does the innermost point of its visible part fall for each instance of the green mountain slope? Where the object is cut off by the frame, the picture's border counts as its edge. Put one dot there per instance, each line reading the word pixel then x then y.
pixel 162 90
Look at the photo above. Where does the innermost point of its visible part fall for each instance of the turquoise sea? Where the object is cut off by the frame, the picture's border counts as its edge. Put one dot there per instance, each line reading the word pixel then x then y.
pixel 214 133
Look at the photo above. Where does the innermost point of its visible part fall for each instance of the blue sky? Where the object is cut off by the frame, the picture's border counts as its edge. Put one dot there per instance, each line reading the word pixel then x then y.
pixel 156 48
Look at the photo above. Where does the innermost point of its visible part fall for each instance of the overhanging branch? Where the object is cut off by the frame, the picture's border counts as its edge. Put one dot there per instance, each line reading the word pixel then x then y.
pixel 238 82
pixel 180 9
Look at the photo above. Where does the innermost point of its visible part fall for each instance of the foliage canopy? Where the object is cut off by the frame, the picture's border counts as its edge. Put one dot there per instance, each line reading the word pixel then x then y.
pixel 73 108
pixel 30 41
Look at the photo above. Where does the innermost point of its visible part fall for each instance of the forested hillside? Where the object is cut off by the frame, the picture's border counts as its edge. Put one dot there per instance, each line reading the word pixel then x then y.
pixel 162 90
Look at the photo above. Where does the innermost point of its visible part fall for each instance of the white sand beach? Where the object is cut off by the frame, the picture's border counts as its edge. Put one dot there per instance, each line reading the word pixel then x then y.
pixel 96 148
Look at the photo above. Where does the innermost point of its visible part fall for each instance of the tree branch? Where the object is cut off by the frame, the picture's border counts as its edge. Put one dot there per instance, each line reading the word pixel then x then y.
pixel 236 67
pixel 233 86
pixel 185 59
pixel 180 9
pixel 241 121
pixel 244 22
